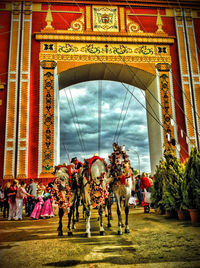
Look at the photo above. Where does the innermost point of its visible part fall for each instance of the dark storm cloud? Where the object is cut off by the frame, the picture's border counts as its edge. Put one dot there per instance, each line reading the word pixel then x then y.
pixel 133 131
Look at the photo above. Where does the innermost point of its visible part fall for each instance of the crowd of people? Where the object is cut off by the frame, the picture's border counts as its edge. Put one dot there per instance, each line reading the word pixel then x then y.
pixel 40 202
pixel 36 198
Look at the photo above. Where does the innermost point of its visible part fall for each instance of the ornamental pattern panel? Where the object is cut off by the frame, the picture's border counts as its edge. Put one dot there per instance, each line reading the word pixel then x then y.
pixel 166 104
pixel 48 118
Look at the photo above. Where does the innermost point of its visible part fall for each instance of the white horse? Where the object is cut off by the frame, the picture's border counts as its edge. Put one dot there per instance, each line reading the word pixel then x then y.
pixel 121 184
pixel 95 190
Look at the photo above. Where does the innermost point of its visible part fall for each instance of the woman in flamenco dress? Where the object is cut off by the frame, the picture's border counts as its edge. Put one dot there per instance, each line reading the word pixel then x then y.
pixel 47 210
pixel 38 208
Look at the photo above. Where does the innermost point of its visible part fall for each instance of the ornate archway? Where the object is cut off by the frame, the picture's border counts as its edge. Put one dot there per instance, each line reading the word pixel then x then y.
pixel 145 64
pixel 111 39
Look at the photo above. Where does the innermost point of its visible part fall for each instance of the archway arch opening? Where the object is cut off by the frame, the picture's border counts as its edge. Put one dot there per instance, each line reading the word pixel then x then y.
pixel 125 75
pixel 123 119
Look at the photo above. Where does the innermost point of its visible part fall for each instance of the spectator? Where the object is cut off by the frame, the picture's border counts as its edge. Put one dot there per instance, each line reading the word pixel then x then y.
pixel 5 203
pixel 21 192
pixel 138 190
pixel 32 190
pixel 12 191
pixel 1 198
pixel 144 182
pixel 145 185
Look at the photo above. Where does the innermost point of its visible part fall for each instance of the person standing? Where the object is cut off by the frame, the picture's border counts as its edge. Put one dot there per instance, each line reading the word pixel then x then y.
pixel 5 203
pixel 21 192
pixel 138 190
pixel 145 185
pixel 32 190
pixel 12 191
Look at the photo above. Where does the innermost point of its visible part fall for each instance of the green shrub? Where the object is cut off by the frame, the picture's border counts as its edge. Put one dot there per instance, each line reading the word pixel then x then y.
pixel 191 183
pixel 167 192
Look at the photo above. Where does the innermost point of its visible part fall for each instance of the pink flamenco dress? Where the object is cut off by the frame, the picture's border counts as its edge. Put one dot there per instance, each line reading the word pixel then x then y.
pixel 38 208
pixel 47 210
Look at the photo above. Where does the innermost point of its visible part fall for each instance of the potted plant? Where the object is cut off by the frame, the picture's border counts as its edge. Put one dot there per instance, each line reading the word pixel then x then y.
pixel 172 183
pixel 157 190
pixel 191 185
pixel 167 191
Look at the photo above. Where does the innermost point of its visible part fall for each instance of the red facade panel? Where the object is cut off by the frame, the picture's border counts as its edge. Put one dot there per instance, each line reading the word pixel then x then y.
pixel 5 22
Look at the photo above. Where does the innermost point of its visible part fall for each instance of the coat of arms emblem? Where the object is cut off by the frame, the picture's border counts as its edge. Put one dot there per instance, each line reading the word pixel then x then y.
pixel 105 19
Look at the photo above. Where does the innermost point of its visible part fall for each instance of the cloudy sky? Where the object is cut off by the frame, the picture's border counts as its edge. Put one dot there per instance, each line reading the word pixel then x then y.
pixel 122 119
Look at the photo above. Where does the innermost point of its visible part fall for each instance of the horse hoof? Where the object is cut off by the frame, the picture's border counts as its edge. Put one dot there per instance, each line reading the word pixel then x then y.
pixel 119 233
pixel 87 235
pixel 102 233
pixel 109 225
pixel 127 231
pixel 70 234
pixel 60 233
pixel 74 227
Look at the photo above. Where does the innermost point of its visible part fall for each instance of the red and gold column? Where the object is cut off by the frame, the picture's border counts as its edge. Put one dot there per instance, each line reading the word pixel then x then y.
pixel 186 77
pixel 12 93
pixel 24 90
pixel 47 113
pixel 166 104
pixel 194 68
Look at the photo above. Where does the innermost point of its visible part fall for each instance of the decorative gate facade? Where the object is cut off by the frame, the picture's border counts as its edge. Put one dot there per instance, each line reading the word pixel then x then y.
pixel 57 45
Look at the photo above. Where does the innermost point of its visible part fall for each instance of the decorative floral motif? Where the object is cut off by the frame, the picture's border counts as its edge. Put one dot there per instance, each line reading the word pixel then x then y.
pixel 98 193
pixel 67 48
pixel 144 50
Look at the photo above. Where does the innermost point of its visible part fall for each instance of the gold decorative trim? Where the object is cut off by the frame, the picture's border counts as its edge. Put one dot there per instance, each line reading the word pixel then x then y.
pixel 49 20
pixel 122 19
pixel 123 38
pixel 48 64
pixel 159 23
pixel 163 66
pixel 90 58
pixel 78 24
pixel 88 19
pixel 132 27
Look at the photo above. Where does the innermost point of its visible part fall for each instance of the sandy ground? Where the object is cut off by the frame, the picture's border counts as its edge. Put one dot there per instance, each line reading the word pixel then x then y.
pixel 154 241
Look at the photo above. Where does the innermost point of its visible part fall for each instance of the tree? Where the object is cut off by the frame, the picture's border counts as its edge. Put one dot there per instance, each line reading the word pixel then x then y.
pixel 168 179
pixel 191 183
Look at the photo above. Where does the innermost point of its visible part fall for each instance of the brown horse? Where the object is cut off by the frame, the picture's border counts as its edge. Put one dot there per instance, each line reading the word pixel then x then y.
pixel 66 195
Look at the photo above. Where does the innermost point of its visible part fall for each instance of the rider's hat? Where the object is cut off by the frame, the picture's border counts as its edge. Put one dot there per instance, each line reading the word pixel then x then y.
pixel 73 159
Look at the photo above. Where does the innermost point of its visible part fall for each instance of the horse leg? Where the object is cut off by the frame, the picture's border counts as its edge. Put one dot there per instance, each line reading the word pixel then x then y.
pixel 127 212
pixel 69 222
pixel 60 213
pixel 73 216
pixel 109 210
pixel 84 211
pixel 120 207
pixel 88 214
pixel 77 206
pixel 106 207
pixel 119 216
pixel 102 232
